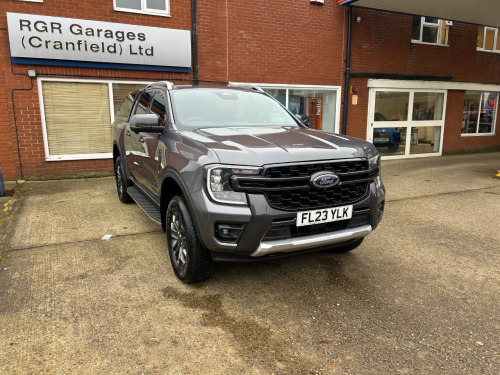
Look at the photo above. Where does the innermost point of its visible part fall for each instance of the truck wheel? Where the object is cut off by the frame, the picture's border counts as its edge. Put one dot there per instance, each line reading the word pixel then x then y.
pixel 347 246
pixel 121 184
pixel 190 261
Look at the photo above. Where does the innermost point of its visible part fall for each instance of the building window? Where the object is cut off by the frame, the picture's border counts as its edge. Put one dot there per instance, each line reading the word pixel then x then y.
pixel 430 30
pixel 77 117
pixel 488 39
pixel 156 7
pixel 317 106
pixel 480 109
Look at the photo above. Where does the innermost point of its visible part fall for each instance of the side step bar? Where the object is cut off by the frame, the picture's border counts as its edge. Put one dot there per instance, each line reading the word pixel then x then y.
pixel 150 209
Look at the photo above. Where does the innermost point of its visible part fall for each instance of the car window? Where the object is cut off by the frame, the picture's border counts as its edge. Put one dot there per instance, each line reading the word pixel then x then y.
pixel 158 106
pixel 142 106
pixel 207 107
pixel 126 106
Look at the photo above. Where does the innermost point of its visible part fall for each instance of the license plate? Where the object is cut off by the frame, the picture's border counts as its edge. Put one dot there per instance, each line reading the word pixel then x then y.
pixel 381 140
pixel 325 215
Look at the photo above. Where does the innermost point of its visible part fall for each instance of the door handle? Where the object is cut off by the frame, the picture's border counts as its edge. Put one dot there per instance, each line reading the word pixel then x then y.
pixel 141 139
pixel 127 133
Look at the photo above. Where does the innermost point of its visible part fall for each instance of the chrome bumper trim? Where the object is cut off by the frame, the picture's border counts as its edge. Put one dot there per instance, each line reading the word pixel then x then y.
pixel 309 242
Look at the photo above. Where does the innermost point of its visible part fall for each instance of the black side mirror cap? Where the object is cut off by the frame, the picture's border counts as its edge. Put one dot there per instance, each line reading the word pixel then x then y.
pixel 147 123
pixel 304 120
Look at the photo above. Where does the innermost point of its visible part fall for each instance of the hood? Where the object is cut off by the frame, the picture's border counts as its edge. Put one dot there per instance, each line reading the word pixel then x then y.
pixel 259 146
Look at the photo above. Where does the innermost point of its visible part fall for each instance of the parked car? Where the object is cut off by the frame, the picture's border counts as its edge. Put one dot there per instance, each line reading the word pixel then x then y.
pixel 386 137
pixel 232 175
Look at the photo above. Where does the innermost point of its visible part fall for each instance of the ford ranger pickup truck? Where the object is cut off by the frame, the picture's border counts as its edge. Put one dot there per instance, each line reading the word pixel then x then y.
pixel 231 175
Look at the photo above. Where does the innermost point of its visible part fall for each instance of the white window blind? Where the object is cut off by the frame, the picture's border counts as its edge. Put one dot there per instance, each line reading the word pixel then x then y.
pixel 77 118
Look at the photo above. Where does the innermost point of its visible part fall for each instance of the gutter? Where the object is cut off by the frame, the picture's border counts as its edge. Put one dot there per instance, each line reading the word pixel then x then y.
pixel 347 72
pixel 194 42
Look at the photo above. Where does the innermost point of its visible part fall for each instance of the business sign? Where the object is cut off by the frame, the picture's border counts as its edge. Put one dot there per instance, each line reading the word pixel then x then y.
pixel 49 40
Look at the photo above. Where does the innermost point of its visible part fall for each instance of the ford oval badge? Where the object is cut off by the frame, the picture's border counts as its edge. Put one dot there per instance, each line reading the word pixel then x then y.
pixel 324 180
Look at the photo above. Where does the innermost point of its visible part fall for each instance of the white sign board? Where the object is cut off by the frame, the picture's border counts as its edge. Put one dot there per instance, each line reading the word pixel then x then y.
pixel 56 38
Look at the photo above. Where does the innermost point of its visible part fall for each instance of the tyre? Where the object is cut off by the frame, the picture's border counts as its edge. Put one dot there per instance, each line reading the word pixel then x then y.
pixel 190 261
pixel 121 183
pixel 393 148
pixel 347 246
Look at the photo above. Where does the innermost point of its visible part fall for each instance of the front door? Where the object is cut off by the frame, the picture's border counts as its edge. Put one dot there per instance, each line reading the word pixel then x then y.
pixel 406 122
pixel 150 158
pixel 135 145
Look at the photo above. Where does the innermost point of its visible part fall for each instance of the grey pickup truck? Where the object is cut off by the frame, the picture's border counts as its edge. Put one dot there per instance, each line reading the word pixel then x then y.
pixel 232 175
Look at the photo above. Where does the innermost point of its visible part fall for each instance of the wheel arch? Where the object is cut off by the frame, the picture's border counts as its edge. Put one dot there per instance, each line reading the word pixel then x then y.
pixel 172 186
pixel 116 152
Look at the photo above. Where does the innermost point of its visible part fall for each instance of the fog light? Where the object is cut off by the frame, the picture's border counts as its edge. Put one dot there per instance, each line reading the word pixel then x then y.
pixel 228 232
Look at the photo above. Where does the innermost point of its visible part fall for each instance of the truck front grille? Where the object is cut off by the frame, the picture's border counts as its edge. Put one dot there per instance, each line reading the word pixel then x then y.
pixel 288 188
pixel 313 198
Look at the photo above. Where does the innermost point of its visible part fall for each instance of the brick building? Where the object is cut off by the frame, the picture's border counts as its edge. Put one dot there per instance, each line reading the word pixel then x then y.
pixel 416 86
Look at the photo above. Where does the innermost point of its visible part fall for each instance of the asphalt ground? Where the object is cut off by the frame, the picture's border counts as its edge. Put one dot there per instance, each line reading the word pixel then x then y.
pixel 419 296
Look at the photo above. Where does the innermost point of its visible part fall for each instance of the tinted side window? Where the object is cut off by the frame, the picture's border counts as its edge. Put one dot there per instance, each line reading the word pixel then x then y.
pixel 158 106
pixel 142 106
pixel 126 106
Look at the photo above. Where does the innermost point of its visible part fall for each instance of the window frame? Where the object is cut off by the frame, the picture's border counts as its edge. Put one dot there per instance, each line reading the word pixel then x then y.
pixel 439 26
pixel 494 117
pixel 65 157
pixel 495 39
pixel 144 9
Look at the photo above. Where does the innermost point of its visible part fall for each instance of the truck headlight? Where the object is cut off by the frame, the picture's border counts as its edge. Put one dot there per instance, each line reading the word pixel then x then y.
pixel 374 162
pixel 219 183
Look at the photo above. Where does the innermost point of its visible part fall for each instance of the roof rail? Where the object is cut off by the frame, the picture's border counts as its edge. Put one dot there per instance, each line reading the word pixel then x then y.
pixel 249 86
pixel 166 83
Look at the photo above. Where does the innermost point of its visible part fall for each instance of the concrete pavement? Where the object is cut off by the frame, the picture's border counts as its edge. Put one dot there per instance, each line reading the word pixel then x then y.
pixel 420 296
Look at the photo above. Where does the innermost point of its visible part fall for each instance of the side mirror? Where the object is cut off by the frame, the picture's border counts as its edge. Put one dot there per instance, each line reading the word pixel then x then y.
pixel 304 120
pixel 147 123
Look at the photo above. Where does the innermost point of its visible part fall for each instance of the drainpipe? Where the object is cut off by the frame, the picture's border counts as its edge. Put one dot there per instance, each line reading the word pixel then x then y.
pixel 347 71
pixel 194 42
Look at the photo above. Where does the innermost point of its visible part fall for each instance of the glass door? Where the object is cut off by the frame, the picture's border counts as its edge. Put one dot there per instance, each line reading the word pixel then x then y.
pixel 405 122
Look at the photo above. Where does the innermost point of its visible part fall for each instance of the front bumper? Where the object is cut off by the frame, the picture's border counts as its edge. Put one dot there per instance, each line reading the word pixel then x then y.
pixel 258 218
pixel 304 243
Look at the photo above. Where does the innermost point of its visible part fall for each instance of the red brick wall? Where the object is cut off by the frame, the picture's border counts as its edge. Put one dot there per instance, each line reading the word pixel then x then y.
pixel 7 160
pixel 292 42
pixel 358 114
pixel 27 111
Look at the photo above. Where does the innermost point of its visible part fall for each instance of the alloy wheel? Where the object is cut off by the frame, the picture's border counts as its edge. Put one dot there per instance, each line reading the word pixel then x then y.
pixel 178 241
pixel 119 183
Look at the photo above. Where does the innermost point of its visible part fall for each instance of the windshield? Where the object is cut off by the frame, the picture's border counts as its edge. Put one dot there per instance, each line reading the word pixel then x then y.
pixel 219 107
